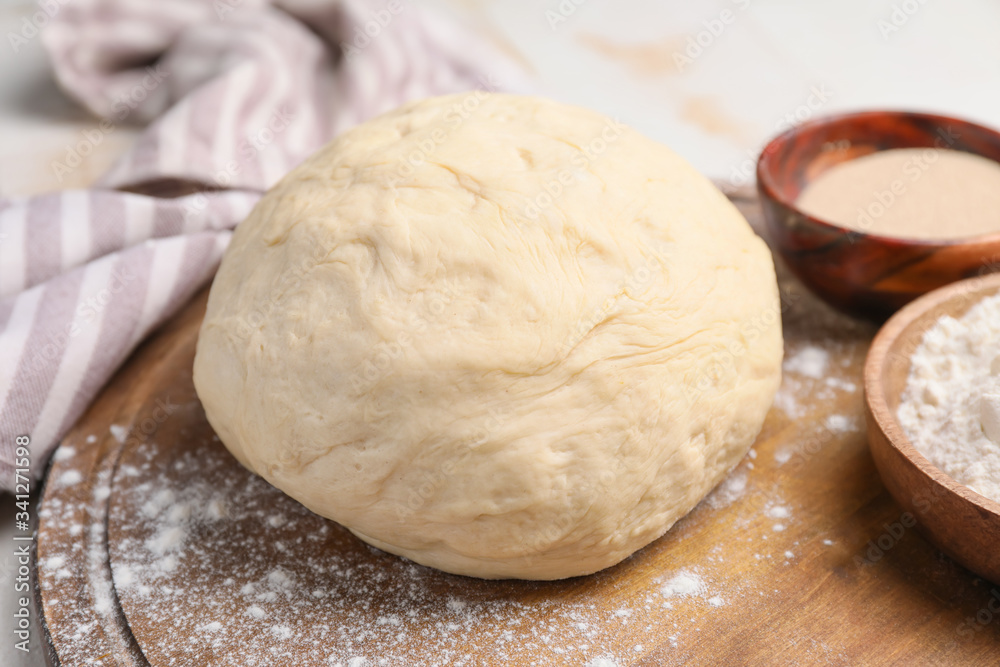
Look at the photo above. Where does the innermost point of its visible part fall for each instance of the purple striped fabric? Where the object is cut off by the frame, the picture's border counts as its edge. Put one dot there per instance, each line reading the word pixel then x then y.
pixel 235 93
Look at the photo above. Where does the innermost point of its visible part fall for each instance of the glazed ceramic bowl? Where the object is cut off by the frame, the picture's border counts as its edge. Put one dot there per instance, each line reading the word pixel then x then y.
pixel 862 274
pixel 956 519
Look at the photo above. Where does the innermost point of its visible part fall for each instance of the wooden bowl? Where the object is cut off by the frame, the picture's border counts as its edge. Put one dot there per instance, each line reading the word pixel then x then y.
pixel 862 274
pixel 957 520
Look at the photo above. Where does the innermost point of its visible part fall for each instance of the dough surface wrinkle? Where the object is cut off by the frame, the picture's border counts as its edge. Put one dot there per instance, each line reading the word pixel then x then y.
pixel 464 364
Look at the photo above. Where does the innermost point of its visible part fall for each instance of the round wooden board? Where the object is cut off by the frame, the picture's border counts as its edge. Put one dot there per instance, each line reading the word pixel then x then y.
pixel 155 547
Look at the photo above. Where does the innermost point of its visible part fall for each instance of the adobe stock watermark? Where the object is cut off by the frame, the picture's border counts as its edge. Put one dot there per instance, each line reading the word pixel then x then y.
pixel 252 145
pixel 638 279
pixel 123 105
pixel 378 365
pixel 371 29
pixel 451 120
pixel 971 626
pixel 818 97
pixel 566 178
pixel 290 279
pixel 723 363
pixel 140 432
pixel 223 8
pixel 22 538
pixel 987 265
pixel 562 12
pixel 877 548
pixel 900 15
pixel 32 25
pixel 966 295
pixel 881 545
pixel 806 449
pixel 87 312
pixel 712 29
pixel 592 490
pixel 911 172
pixel 496 417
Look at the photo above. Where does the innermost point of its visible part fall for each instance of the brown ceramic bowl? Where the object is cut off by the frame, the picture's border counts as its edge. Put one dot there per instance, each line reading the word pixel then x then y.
pixel 862 274
pixel 957 520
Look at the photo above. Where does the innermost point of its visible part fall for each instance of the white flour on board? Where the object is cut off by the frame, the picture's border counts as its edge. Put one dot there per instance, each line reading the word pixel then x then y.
pixel 215 553
pixel 729 490
pixel 683 584
pixel 841 424
pixel 809 370
pixel 810 361
pixel 178 529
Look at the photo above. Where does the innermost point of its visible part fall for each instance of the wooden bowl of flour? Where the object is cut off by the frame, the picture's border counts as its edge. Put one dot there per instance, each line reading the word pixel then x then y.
pixel 957 520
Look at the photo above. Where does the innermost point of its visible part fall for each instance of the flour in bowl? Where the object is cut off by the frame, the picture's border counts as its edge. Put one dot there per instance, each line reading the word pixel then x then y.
pixel 952 397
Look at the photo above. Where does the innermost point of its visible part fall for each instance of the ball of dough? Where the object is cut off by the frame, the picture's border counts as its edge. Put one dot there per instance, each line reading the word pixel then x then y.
pixel 500 336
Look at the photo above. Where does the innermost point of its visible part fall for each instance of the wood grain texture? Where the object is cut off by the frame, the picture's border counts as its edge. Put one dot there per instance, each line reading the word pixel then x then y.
pixel 957 520
pixel 855 587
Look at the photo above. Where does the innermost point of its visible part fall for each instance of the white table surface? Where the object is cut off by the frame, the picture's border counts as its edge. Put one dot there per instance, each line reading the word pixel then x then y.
pixel 769 61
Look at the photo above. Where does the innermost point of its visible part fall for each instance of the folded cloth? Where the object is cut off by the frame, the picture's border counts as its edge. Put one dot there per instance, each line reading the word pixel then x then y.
pixel 236 93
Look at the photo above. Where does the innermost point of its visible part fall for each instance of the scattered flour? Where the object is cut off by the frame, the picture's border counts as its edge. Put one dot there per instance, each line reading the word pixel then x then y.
pixel 333 600
pixel 840 424
pixel 119 432
pixel 784 455
pixel 810 361
pixel 158 503
pixel 64 453
pixel 170 538
pixel 841 384
pixel 729 490
pixel 82 571
pixel 803 368
pixel 778 512
pixel 952 368
pixel 69 478
pixel 602 662
pixel 198 520
pixel 787 400
pixel 683 584
pixel 123 576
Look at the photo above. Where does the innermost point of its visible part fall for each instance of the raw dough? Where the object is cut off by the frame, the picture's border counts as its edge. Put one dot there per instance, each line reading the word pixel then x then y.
pixel 497 335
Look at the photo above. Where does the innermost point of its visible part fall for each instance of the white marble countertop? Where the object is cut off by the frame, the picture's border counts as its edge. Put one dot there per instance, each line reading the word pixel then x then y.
pixel 712 79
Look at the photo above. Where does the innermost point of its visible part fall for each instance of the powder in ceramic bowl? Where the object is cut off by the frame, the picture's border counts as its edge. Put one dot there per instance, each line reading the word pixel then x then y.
pixel 915 193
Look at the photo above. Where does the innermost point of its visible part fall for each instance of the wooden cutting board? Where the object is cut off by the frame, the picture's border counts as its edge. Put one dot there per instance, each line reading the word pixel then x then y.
pixel 156 548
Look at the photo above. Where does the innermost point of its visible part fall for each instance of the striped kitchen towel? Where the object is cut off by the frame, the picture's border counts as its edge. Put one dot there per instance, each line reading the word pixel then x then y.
pixel 235 93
